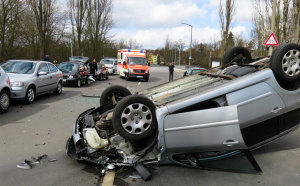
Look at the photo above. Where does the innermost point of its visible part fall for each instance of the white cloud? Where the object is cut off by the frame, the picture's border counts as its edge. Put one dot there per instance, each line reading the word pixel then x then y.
pixel 155 13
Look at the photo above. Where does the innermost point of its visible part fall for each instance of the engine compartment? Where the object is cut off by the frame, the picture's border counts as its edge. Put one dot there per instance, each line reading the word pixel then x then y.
pixel 95 140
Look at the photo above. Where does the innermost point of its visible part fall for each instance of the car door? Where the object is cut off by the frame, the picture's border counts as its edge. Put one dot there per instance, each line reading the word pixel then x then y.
pixel 54 76
pixel 43 81
pixel 259 109
pixel 208 139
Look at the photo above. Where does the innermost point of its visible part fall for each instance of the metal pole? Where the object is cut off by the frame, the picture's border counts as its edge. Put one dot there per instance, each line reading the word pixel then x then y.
pixel 175 56
pixel 71 48
pixel 190 58
pixel 179 56
pixel 273 23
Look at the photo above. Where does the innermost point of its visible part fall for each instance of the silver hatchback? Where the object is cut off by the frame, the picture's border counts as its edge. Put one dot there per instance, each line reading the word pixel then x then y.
pixel 4 91
pixel 32 78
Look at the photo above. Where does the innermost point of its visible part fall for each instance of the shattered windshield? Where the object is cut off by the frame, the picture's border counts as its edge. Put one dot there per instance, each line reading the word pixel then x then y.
pixel 68 67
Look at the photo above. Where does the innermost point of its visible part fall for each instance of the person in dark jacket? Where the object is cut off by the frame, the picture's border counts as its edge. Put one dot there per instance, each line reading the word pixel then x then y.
pixel 93 68
pixel 171 71
pixel 46 58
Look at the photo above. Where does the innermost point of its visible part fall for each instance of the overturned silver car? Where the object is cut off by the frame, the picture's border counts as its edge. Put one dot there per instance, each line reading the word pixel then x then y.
pixel 209 120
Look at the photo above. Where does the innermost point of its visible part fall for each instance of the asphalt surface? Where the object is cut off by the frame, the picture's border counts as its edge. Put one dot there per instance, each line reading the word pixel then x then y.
pixel 44 127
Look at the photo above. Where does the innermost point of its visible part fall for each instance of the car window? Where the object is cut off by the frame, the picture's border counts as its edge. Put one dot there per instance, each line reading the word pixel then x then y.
pixel 18 67
pixel 52 68
pixel 43 68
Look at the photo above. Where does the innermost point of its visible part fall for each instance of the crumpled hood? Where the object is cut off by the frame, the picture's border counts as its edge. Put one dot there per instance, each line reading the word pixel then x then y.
pixel 19 77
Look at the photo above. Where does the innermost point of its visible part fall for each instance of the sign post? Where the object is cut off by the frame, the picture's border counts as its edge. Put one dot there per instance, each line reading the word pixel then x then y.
pixel 271 41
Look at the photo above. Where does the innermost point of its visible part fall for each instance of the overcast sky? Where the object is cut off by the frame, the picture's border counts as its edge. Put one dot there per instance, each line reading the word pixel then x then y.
pixel 149 22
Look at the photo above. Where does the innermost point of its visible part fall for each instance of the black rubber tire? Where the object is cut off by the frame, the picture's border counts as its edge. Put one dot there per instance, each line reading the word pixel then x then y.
pixel 146 79
pixel 78 83
pixel 110 91
pixel 276 60
pixel 57 91
pixel 28 101
pixel 116 119
pixel 126 77
pixel 106 77
pixel 7 96
pixel 235 51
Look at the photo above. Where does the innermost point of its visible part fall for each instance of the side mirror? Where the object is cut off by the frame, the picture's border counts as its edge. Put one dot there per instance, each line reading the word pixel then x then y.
pixel 42 73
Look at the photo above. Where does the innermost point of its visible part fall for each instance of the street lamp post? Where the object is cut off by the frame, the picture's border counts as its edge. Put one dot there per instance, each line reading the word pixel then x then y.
pixel 190 57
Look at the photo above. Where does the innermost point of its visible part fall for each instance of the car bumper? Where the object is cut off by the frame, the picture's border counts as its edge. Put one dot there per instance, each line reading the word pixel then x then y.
pixel 70 81
pixel 139 76
pixel 18 92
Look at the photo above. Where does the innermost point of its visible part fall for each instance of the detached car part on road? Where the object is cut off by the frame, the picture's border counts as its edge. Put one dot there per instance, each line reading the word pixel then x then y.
pixel 31 78
pixel 209 120
pixel 4 91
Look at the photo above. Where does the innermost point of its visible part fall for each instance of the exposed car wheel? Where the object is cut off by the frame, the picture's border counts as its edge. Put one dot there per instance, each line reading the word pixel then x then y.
pixel 4 101
pixel 134 118
pixel 146 79
pixel 112 93
pixel 239 55
pixel 285 64
pixel 30 95
pixel 58 90
pixel 78 83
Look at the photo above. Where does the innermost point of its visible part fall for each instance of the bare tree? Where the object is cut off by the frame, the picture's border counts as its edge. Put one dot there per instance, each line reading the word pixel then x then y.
pixel 225 23
pixel 78 17
pixel 10 11
pixel 43 11
pixel 99 23
pixel 296 21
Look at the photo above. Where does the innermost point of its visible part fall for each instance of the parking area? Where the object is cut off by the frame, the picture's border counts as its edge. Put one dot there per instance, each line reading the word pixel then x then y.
pixel 44 127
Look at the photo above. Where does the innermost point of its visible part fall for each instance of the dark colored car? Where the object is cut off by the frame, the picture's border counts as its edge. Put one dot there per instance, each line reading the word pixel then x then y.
pixel 74 73
pixel 102 72
pixel 193 70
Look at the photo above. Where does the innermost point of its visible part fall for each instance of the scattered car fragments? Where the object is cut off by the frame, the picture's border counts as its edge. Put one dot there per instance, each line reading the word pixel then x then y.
pixel 210 120
pixel 29 164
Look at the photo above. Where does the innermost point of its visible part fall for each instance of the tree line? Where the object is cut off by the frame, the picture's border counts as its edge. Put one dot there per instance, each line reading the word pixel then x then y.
pixel 30 29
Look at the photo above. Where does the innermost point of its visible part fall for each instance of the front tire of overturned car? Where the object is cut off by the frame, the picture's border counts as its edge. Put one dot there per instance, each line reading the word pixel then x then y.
pixel 240 55
pixel 285 64
pixel 134 118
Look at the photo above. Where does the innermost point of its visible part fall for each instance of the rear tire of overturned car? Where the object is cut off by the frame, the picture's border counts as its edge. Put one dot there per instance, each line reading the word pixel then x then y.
pixel 116 91
pixel 134 118
pixel 285 64
pixel 240 55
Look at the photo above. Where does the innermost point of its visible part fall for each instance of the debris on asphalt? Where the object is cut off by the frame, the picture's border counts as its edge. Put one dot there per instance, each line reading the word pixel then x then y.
pixel 39 144
pixel 29 164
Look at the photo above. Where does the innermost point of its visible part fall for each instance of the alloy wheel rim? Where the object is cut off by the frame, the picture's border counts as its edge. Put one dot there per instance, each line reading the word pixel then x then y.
pixel 291 63
pixel 30 95
pixel 136 118
pixel 4 101
pixel 59 88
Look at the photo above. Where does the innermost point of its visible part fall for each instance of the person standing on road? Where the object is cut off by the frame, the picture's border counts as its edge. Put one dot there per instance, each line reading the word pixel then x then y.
pixel 171 71
pixel 93 68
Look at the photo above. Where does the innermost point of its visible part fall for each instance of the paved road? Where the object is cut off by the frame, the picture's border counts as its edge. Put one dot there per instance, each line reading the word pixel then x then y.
pixel 43 128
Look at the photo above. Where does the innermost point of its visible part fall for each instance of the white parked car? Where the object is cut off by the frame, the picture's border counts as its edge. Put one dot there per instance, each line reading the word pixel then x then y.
pixel 111 64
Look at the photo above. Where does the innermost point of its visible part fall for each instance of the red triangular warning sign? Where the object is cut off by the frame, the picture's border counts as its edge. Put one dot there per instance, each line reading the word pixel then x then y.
pixel 271 41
